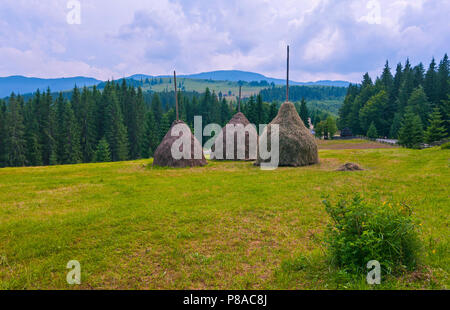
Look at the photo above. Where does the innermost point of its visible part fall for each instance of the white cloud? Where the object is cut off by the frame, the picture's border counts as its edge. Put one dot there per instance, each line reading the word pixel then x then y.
pixel 329 39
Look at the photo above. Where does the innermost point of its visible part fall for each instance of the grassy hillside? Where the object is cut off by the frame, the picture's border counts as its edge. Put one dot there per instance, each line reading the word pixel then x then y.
pixel 230 89
pixel 228 225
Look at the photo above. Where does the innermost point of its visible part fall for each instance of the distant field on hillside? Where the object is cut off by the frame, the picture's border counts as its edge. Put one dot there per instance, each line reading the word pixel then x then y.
pixel 229 89
pixel 228 225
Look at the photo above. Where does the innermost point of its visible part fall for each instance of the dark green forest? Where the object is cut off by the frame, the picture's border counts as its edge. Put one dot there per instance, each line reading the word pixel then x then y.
pixel 119 122
pixel 412 105
pixel 297 93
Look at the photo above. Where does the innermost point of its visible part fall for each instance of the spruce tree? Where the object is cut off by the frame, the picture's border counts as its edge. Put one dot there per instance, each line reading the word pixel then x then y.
pixel 430 83
pixel 71 145
pixel 443 79
pixel 436 130
pixel 45 122
pixel 372 131
pixel 102 154
pixel 115 131
pixel 87 126
pixel 59 138
pixel 164 127
pixel 157 108
pixel 151 139
pixel 33 148
pixel 259 111
pixel 386 78
pixel 273 111
pixel 15 141
pixel 3 151
pixel 411 133
pixel 396 125
pixel 418 102
pixel 304 114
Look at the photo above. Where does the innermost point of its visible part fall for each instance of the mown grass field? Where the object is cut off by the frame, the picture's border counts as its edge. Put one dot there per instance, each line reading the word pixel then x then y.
pixel 225 226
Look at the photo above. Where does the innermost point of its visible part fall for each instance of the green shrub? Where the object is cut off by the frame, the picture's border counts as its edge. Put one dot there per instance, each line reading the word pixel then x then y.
pixel 361 232
pixel 445 146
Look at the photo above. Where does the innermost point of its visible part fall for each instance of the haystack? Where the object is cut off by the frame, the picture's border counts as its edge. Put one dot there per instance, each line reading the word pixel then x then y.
pixel 297 146
pixel 238 119
pixel 163 154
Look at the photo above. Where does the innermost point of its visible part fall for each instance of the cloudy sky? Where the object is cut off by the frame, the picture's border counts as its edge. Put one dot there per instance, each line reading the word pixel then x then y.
pixel 329 39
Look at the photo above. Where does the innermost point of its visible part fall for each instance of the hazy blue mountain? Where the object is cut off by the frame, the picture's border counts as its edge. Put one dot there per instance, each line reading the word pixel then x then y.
pixel 22 85
pixel 237 75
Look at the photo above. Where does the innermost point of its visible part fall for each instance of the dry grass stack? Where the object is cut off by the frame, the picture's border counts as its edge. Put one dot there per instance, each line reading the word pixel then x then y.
pixel 297 145
pixel 163 154
pixel 238 119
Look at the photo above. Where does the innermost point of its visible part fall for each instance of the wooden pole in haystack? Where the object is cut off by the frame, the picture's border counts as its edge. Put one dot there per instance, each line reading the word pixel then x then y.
pixel 287 75
pixel 239 104
pixel 176 94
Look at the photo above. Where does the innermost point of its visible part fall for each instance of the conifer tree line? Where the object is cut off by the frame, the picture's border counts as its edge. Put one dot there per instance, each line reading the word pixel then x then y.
pixel 119 122
pixel 411 105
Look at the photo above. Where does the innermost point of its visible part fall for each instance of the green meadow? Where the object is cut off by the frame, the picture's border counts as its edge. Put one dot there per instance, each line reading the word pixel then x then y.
pixel 228 225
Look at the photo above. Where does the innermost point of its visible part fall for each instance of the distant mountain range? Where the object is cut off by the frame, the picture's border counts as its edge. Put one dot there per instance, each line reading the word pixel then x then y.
pixel 24 85
pixel 236 75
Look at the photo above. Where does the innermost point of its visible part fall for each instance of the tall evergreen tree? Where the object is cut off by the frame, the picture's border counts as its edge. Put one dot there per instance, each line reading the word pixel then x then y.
pixel 304 114
pixel 33 148
pixel 157 108
pixel 259 111
pixel 443 80
pixel 3 135
pixel 164 127
pixel 418 102
pixel 115 131
pixel 273 111
pixel 430 83
pixel 386 78
pixel 72 150
pixel 151 136
pixel 372 131
pixel 436 130
pixel 406 88
pixel 102 154
pixel 59 138
pixel 45 122
pixel 396 125
pixel 411 133
pixel 15 141
pixel 87 125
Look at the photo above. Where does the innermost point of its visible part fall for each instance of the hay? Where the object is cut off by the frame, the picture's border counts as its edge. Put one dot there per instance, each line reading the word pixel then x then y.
pixel 349 167
pixel 163 155
pixel 238 118
pixel 297 146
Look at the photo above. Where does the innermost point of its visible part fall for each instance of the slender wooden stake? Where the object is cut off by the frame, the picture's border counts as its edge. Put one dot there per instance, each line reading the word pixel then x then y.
pixel 176 94
pixel 239 105
pixel 287 75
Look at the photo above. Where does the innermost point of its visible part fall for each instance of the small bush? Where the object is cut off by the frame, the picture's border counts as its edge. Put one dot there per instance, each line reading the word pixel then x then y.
pixel 360 232
pixel 445 146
